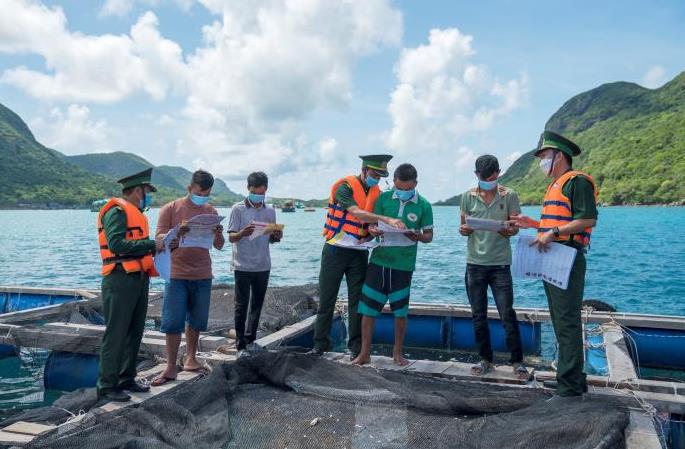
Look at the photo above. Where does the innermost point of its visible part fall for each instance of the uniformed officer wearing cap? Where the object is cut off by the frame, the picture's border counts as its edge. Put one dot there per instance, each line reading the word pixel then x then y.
pixel 350 211
pixel 127 265
pixel 569 213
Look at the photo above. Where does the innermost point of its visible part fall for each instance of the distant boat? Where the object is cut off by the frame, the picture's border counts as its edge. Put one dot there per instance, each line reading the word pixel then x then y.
pixel 310 209
pixel 96 205
pixel 288 206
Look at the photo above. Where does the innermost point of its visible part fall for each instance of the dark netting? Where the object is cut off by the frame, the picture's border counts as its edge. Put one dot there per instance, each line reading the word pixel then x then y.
pixel 289 400
pixel 282 306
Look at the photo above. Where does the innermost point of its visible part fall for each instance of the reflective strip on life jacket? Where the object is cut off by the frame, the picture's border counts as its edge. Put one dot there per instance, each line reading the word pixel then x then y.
pixel 137 228
pixel 338 220
pixel 557 209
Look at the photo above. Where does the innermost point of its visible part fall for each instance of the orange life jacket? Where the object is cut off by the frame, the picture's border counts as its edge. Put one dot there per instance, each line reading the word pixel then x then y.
pixel 137 228
pixel 557 211
pixel 339 220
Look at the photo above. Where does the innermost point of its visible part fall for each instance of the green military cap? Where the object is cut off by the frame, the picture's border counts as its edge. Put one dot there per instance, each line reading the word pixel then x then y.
pixel 549 139
pixel 142 178
pixel 377 162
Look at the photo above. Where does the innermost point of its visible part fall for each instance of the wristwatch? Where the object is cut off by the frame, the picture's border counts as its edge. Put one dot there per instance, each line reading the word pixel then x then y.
pixel 555 231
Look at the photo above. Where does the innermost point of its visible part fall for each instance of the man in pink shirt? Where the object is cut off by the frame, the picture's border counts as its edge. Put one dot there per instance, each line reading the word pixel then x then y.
pixel 188 292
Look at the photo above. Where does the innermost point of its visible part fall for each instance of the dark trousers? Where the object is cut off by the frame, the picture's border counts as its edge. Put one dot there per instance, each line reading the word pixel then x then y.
pixel 337 262
pixel 246 282
pixel 124 304
pixel 498 277
pixel 565 310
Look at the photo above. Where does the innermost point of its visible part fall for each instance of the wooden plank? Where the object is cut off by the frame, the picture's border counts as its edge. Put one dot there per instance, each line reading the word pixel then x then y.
pixel 44 291
pixel 14 438
pixel 277 338
pixel 44 312
pixel 386 363
pixel 641 432
pixel 429 367
pixel 620 364
pixel 28 428
pixel 539 315
pixel 500 374
pixel 647 385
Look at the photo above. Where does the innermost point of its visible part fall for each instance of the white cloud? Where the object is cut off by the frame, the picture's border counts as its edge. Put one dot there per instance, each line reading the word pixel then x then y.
pixel 122 8
pixel 655 77
pixel 73 131
pixel 266 66
pixel 84 68
pixel 442 96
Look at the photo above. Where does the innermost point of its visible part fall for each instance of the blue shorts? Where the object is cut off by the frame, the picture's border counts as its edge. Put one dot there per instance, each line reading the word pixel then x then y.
pixel 186 302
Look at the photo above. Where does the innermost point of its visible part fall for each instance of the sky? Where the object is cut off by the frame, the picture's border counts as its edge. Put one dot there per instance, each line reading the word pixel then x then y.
pixel 300 88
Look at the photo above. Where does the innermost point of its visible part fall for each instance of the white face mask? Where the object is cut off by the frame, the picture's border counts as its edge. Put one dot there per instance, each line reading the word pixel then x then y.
pixel 546 165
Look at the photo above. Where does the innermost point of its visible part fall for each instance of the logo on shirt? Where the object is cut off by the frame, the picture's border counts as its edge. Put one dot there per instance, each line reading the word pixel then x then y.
pixel 412 217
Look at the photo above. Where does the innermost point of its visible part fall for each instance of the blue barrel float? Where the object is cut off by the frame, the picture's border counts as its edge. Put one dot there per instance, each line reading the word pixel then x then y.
pixel 454 333
pixel 69 371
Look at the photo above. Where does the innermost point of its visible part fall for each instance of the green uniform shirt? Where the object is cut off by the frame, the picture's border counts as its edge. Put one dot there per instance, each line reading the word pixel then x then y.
pixel 583 204
pixel 579 190
pixel 344 195
pixel 416 213
pixel 486 247
pixel 114 223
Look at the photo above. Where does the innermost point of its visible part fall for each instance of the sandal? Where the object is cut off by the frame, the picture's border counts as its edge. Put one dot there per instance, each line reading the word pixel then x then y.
pixel 481 368
pixel 161 380
pixel 521 371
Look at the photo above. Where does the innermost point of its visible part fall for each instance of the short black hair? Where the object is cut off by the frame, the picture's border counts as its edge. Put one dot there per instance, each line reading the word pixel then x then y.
pixel 257 179
pixel 202 179
pixel 405 172
pixel 486 165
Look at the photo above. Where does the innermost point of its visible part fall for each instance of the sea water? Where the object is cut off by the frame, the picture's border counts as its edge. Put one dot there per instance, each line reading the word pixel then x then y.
pixel 636 263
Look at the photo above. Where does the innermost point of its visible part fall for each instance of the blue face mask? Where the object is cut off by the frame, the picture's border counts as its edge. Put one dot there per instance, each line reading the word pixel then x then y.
pixel 405 195
pixel 256 198
pixel 487 185
pixel 146 201
pixel 199 200
pixel 371 181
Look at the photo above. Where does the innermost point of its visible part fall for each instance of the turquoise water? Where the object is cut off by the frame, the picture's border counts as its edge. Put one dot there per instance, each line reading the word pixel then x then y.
pixel 637 263
pixel 637 260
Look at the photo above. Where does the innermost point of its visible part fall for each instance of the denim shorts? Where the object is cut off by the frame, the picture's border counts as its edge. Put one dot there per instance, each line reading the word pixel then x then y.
pixel 186 302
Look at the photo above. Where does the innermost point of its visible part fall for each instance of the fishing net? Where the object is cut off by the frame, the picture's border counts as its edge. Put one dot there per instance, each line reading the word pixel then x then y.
pixel 289 400
pixel 282 306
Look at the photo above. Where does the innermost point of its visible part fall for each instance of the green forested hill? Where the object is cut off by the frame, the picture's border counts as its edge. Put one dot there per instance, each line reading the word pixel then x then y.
pixel 633 142
pixel 170 181
pixel 36 176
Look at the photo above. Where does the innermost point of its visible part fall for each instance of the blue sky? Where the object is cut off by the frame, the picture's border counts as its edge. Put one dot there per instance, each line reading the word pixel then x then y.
pixel 299 88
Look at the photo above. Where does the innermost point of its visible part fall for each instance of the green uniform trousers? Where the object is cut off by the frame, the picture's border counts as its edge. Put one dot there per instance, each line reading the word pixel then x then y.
pixel 124 301
pixel 336 262
pixel 565 310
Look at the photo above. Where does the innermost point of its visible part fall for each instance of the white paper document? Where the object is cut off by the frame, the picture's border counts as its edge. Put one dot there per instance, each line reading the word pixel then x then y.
pixel 553 267
pixel 387 229
pixel 347 241
pixel 262 228
pixel 485 224
pixel 163 259
pixel 201 231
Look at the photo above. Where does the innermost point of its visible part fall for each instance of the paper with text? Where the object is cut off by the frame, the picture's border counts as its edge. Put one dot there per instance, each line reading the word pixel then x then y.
pixel 553 266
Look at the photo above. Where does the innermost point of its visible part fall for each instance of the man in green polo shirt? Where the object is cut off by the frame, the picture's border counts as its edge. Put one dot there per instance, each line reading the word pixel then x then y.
pixel 350 211
pixel 569 213
pixel 488 263
pixel 388 277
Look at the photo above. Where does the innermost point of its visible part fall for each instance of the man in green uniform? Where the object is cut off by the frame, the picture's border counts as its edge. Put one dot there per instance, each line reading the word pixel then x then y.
pixel 350 210
pixel 388 278
pixel 569 213
pixel 127 266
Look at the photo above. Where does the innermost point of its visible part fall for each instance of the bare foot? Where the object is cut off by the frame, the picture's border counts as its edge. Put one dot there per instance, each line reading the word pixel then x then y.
pixel 169 372
pixel 361 360
pixel 191 364
pixel 399 360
